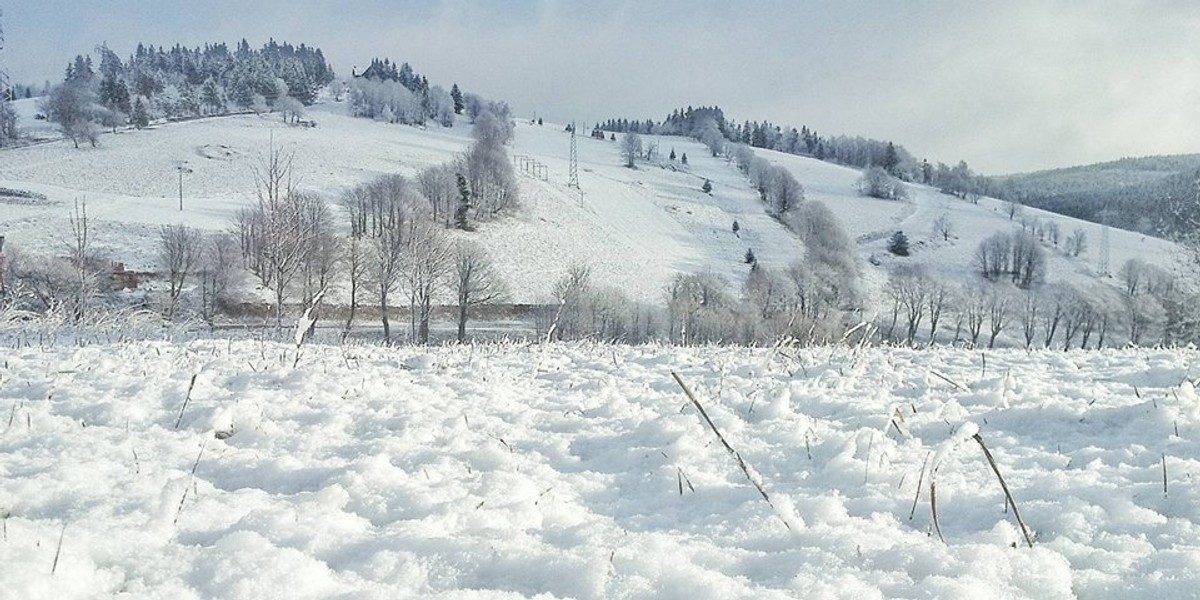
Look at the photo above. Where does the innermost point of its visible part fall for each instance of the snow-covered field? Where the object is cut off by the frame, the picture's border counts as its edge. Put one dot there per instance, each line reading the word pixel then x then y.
pixel 581 470
pixel 635 228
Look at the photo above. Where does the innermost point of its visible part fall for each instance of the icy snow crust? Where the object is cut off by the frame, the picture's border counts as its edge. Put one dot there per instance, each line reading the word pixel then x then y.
pixel 519 471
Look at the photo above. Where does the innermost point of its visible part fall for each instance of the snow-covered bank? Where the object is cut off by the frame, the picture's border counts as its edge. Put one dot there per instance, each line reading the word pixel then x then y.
pixel 580 470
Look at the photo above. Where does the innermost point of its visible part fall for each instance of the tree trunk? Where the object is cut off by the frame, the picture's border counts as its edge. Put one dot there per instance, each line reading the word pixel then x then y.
pixel 353 306
pixel 387 329
pixel 462 322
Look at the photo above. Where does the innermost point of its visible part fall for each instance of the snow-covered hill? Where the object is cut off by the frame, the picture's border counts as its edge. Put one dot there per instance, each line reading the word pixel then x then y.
pixel 217 469
pixel 634 227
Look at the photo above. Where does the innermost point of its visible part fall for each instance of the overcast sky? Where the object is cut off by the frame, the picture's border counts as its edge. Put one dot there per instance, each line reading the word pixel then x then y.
pixel 1006 86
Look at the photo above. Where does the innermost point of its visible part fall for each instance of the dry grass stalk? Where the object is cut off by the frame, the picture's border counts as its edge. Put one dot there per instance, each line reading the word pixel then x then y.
pixel 949 381
pixel 920 480
pixel 191 478
pixel 186 399
pixel 933 503
pixel 1164 466
pixel 1004 486
pixel 58 551
pixel 738 457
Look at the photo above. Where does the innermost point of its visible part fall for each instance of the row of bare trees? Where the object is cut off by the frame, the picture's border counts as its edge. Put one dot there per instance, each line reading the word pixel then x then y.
pixel 805 301
pixel 1151 309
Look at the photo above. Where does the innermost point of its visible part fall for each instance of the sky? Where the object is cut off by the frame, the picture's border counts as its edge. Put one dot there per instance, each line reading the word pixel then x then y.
pixel 1007 86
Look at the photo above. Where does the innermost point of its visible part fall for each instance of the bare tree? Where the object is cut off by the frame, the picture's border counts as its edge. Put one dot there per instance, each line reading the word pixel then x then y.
pixel 936 301
pixel 1077 314
pixel 1142 314
pixel 179 251
pixel 475 281
pixel 976 311
pixel 1076 243
pixel 84 262
pixel 428 260
pixel 281 232
pixel 386 266
pixel 355 263
pixel 386 216
pixel 784 191
pixel 910 286
pixel 569 293
pixel 1055 299
pixel 631 148
pixel 1031 304
pixel 1132 273
pixel 437 184
pixel 1017 255
pixel 998 312
pixel 216 270
pixel 290 108
pixel 943 227
pixel 1053 230
pixel 1012 208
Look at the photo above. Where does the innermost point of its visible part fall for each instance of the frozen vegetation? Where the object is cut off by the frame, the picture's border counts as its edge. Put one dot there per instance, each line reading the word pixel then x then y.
pixel 235 469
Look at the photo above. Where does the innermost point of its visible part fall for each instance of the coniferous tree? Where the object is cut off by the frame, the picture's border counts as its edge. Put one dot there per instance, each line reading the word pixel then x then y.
pixel 891 160
pixel 683 158
pixel 139 117
pixel 456 95
pixel 464 204
pixel 707 187
pixel 750 259
pixel 898 244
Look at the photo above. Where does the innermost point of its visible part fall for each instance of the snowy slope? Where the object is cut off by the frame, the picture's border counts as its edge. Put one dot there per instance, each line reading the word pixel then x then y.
pixel 634 227
pixel 872 221
pixel 581 471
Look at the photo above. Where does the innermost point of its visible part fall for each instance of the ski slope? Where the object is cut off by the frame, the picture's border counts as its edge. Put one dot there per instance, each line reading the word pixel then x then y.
pixel 635 228
pixel 582 471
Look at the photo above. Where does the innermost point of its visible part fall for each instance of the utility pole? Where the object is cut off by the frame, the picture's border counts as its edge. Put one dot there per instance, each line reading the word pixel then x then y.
pixel 182 167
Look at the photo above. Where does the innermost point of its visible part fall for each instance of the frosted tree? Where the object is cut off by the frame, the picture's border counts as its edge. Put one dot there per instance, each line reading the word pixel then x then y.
pixel 73 106
pixel 439 186
pixel 943 227
pixel 474 280
pixel 428 260
pixel 876 182
pixel 492 182
pixel 631 148
pixel 279 233
pixel 1077 242
pixel 291 109
pixel 179 252
pixel 215 270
